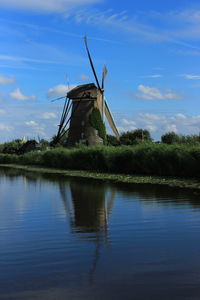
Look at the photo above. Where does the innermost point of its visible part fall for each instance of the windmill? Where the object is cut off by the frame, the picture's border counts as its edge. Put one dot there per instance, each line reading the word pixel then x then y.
pixel 80 104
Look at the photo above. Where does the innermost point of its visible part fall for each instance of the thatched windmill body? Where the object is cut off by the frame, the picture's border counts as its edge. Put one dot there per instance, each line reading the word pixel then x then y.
pixel 83 113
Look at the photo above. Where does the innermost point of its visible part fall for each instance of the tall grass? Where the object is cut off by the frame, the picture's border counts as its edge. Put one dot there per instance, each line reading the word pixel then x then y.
pixel 146 159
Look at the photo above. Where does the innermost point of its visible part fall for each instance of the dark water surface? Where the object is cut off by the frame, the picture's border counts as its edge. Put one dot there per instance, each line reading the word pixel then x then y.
pixel 82 239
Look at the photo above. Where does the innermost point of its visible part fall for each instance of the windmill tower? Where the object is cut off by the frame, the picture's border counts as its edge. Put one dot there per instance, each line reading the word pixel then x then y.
pixel 84 103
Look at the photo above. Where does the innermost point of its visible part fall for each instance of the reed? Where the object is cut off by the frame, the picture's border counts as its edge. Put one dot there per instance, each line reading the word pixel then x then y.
pixel 146 159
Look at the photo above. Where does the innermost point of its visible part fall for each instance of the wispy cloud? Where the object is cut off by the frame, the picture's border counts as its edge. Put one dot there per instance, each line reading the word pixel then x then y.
pixel 187 52
pixel 121 21
pixel 26 59
pixel 152 76
pixel 190 76
pixel 50 6
pixel 53 30
pixel 18 95
pixel 152 93
pixel 6 80
pixel 177 27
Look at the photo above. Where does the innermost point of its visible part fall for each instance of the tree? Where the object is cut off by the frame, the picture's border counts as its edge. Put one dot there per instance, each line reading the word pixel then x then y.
pixel 135 137
pixel 112 140
pixel 12 147
pixel 43 144
pixel 170 138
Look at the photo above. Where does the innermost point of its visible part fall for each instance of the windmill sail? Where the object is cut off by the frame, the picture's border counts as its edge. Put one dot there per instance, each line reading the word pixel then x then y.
pixel 111 120
pixel 91 63
pixel 105 71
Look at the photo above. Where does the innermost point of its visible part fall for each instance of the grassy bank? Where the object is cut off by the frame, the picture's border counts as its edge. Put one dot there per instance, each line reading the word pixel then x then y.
pixel 146 159
pixel 117 178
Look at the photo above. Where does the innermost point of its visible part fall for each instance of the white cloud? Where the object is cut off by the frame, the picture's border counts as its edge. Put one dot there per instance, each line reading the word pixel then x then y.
pixel 151 117
pixel 31 123
pixel 190 76
pixel 152 93
pixel 171 127
pixel 151 128
pixel 128 122
pixel 180 116
pixel 4 127
pixel 46 6
pixel 59 90
pixel 25 120
pixel 6 80
pixel 48 115
pixel 160 124
pixel 18 95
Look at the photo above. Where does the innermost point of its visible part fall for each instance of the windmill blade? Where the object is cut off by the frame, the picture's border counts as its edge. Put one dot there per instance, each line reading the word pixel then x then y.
pixel 64 130
pixel 58 99
pixel 111 120
pixel 105 71
pixel 91 63
pixel 64 115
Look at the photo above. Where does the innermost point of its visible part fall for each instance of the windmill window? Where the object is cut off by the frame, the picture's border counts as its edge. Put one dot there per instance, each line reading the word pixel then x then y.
pixel 82 135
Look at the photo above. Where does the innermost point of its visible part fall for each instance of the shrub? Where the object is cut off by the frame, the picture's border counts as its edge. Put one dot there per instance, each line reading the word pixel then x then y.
pixel 12 147
pixel 146 159
pixel 135 137
pixel 170 138
pixel 112 140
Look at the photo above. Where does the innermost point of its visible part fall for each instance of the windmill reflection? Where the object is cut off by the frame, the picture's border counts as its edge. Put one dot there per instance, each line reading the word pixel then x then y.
pixel 88 206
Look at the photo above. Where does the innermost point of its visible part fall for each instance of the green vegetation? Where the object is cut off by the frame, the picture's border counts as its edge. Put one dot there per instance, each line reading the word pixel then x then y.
pixel 135 137
pixel 97 123
pixel 174 138
pixel 12 147
pixel 112 140
pixel 120 178
pixel 176 155
pixel 146 159
pixel 19 146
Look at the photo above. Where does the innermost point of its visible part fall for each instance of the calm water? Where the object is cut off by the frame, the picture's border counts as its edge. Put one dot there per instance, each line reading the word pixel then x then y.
pixel 79 239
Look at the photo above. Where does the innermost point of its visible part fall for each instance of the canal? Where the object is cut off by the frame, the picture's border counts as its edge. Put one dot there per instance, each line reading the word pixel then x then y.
pixel 63 238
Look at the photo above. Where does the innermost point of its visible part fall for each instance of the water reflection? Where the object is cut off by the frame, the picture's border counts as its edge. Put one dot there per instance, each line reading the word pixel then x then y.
pixel 160 195
pixel 91 205
pixel 58 232
pixel 88 206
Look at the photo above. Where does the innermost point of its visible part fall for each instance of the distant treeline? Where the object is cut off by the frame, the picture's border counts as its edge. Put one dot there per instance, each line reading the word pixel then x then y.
pixel 147 159
pixel 134 153
pixel 129 138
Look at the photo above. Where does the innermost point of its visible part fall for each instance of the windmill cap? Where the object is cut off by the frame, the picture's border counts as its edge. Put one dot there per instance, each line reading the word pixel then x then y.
pixel 79 89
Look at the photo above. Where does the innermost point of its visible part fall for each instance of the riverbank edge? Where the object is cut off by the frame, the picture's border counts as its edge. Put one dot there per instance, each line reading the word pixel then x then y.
pixel 189 183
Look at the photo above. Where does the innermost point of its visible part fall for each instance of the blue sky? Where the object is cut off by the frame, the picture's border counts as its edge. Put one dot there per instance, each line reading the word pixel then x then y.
pixel 151 50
